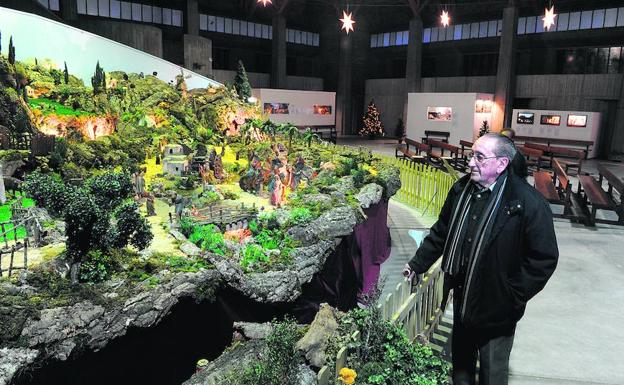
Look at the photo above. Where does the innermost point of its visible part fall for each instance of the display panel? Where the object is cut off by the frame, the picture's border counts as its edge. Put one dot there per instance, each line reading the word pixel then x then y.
pixel 525 118
pixel 577 120
pixel 443 114
pixel 550 120
pixel 322 110
pixel 276 108
pixel 483 106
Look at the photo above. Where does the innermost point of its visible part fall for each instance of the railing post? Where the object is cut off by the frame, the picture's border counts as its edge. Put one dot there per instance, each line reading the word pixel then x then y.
pixel 341 359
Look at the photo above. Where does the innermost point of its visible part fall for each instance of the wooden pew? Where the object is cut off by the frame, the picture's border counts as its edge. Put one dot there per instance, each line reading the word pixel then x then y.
pixel 443 135
pixel 413 150
pixel 573 158
pixel 591 191
pixel 452 158
pixel 555 188
pixel 584 144
pixel 533 157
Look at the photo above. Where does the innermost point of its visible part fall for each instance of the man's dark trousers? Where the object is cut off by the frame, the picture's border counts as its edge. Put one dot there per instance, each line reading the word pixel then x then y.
pixel 492 346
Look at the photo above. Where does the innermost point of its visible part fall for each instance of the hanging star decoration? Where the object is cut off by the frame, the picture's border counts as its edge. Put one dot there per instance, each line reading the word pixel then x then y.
pixel 549 17
pixel 445 19
pixel 265 2
pixel 347 22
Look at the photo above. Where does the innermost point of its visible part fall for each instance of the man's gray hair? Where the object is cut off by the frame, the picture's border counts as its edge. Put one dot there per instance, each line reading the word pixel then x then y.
pixel 505 147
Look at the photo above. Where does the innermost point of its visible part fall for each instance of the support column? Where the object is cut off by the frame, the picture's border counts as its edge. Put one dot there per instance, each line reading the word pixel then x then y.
pixel 506 72
pixel 344 92
pixel 278 53
pixel 191 17
pixel 69 10
pixel 413 67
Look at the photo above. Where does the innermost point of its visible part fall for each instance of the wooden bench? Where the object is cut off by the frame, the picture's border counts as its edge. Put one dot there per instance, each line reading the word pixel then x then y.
pixel 443 135
pixel 465 151
pixel 418 152
pixel 584 144
pixel 591 191
pixel 436 157
pixel 555 188
pixel 573 158
pixel 533 157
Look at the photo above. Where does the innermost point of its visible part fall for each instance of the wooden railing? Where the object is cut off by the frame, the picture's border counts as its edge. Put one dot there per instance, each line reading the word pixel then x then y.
pixel 13 247
pixel 417 311
pixel 422 186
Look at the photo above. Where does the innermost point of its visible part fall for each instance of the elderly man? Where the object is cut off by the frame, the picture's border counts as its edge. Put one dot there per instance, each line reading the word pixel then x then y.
pixel 496 236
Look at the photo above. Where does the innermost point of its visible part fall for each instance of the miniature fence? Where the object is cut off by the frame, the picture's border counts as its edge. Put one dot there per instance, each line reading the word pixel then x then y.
pixel 418 313
pixel 13 247
pixel 422 186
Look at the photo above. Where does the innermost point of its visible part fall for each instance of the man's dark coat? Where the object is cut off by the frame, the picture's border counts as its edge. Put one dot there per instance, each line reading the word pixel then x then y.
pixel 519 255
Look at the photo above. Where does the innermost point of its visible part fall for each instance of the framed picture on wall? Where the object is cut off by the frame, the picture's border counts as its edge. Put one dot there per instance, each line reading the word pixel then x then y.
pixel 322 110
pixel 483 106
pixel 550 120
pixel 441 114
pixel 276 108
pixel 525 118
pixel 577 120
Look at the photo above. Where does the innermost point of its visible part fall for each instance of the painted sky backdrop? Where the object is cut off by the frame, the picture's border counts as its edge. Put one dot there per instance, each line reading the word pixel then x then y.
pixel 41 38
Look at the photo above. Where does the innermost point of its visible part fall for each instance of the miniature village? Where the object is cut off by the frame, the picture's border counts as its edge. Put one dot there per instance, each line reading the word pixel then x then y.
pixel 134 201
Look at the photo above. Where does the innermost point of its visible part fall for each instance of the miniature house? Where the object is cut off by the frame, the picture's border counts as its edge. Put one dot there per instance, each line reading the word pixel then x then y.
pixel 174 160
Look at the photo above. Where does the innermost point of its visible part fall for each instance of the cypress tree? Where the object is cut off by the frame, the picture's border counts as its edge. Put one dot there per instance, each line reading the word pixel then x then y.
pixel 66 74
pixel 241 82
pixel 11 51
pixel 96 79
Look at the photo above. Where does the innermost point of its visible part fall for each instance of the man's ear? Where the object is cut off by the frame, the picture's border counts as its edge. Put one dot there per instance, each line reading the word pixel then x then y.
pixel 502 165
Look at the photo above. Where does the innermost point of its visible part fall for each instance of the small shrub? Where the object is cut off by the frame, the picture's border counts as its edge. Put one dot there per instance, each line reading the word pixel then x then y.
pixel 252 256
pixel 209 238
pixel 96 267
pixel 300 216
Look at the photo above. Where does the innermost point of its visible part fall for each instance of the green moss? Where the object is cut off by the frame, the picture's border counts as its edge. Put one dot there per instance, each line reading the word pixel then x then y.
pixel 48 107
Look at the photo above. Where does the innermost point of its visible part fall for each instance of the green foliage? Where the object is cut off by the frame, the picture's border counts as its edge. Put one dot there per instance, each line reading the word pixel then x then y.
pixel 65 73
pixel 209 238
pixel 253 256
pixel 109 189
pixel 86 226
pixel 186 264
pixel 131 227
pixel 48 191
pixel 96 267
pixel 47 106
pixel 279 359
pixel 187 225
pixel 230 195
pixel 300 216
pixel 241 82
pixel 384 356
pixel 13 115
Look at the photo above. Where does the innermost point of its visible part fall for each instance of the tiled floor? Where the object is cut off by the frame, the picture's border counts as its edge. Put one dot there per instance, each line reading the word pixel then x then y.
pixel 573 331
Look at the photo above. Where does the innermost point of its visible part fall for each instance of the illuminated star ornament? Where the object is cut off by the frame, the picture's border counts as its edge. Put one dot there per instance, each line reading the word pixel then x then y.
pixel 445 19
pixel 549 17
pixel 347 22
pixel 265 2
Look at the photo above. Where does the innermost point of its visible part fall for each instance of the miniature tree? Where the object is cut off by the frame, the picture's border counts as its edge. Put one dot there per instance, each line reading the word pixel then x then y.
pixel 372 125
pixel 241 82
pixel 309 136
pixel 11 51
pixel 97 78
pixel 66 74
pixel 400 130
pixel 291 131
pixel 485 128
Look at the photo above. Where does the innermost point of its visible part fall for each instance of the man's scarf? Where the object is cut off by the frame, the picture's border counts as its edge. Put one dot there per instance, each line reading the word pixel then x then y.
pixel 452 253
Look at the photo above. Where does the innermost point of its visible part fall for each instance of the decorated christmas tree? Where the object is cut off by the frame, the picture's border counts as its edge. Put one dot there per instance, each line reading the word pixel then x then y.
pixel 371 124
pixel 241 82
pixel 485 128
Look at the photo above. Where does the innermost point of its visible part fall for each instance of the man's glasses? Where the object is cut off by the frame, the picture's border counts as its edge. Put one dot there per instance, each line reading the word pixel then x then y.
pixel 480 158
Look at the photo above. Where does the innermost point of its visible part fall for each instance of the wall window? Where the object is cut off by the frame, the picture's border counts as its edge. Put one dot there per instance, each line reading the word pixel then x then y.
pixel 127 10
pixel 50 4
pixel 562 23
pixel 586 19
pixel 592 60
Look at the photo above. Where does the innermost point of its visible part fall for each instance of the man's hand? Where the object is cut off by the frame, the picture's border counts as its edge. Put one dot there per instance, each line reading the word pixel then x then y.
pixel 407 270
